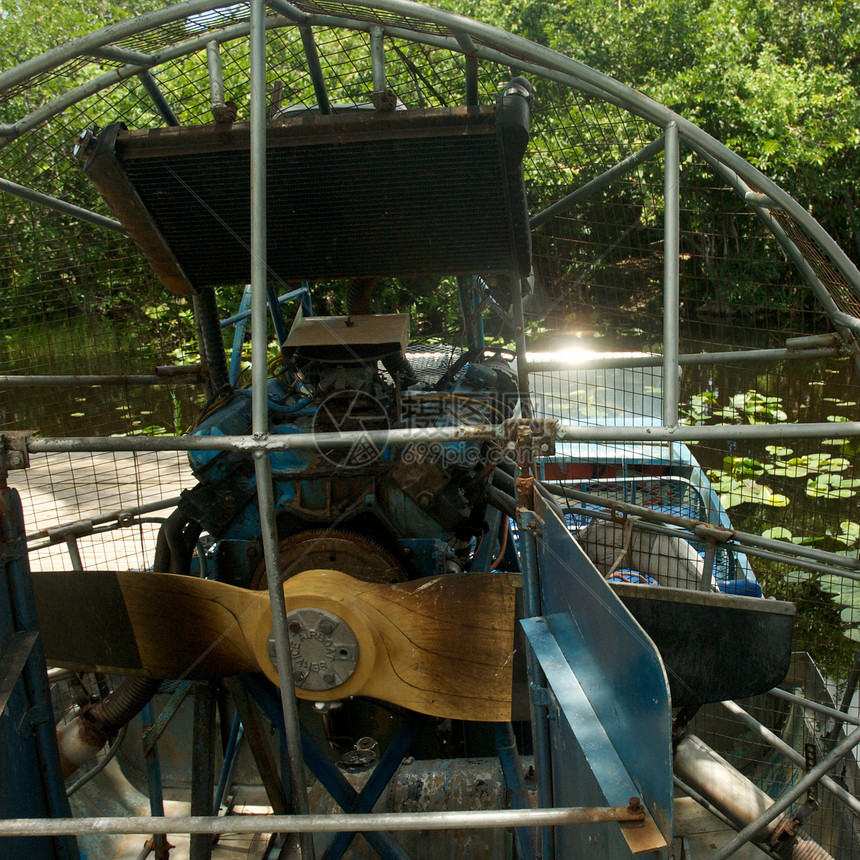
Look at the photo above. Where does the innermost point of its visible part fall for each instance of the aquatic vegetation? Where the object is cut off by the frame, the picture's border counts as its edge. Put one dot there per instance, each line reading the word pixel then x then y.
pixel 734 490
pixel 830 486
pixel 752 407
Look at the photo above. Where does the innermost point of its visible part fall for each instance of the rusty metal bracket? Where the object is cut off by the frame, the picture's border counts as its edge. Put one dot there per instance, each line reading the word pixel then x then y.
pixel 708 532
pixel 14 453
pixel 526 493
pixel 536 433
pixel 528 439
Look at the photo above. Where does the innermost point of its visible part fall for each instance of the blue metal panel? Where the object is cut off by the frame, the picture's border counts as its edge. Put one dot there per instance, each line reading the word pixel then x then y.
pixel 31 785
pixel 609 697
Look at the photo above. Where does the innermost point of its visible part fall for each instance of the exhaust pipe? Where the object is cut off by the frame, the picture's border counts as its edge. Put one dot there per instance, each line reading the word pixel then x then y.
pixel 83 738
pixel 742 802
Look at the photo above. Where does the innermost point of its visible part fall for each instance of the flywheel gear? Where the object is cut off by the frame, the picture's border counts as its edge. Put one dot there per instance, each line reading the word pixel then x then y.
pixel 334 549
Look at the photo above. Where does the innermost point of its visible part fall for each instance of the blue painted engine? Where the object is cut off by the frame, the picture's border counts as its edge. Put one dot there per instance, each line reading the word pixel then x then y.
pixel 372 510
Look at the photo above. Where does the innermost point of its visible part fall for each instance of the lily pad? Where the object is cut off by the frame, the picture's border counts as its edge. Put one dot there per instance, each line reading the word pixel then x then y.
pixel 794 468
pixel 844 591
pixel 830 486
pixel 778 533
pixel 750 492
pixel 743 467
pixel 849 533
pixel 779 450
pixel 759 409
pixel 850 528
pixel 721 481
pixel 826 463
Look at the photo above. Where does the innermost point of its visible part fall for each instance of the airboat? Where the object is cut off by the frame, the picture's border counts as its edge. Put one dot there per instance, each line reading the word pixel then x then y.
pixel 490 581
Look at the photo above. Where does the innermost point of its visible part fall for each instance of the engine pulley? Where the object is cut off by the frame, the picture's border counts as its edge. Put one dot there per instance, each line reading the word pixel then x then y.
pixel 334 549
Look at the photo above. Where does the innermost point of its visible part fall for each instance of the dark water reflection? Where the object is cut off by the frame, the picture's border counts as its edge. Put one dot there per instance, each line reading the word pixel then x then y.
pixel 87 347
pixel 810 391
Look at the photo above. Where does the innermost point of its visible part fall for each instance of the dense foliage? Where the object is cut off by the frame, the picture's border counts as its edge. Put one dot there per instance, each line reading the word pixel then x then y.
pixel 776 80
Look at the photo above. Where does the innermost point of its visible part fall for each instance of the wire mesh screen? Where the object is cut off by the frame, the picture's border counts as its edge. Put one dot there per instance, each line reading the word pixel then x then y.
pixel 76 298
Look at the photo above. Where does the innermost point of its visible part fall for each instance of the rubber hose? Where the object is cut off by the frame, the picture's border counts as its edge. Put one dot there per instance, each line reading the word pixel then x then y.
pixel 505 503
pixel 505 482
pixel 161 564
pixel 358 296
pixel 80 740
pixel 213 339
pixel 175 545
pixel 397 363
pixel 508 465
pixel 126 702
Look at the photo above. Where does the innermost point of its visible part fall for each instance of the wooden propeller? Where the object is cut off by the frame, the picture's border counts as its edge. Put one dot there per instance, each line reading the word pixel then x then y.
pixel 441 646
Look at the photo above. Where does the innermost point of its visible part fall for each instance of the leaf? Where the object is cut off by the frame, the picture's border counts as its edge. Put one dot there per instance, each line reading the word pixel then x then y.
pixel 778 533
pixel 849 615
pixel 844 591
pixel 829 486
pixel 826 463
pixel 850 529
pixel 778 450
pixel 752 493
pixel 796 468
pixel 743 466
pixel 721 481
pixel 834 464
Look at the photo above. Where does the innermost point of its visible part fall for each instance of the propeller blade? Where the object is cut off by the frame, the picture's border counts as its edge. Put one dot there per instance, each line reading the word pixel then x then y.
pixel 441 646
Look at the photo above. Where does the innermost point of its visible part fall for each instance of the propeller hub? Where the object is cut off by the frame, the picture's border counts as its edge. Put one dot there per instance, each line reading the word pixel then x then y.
pixel 323 648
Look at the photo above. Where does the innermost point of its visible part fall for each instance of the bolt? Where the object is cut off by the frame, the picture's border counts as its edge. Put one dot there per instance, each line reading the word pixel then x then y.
pixel 329 678
pixel 295 627
pixel 544 447
pixel 14 458
pixel 511 446
pixel 634 805
pixel 325 627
